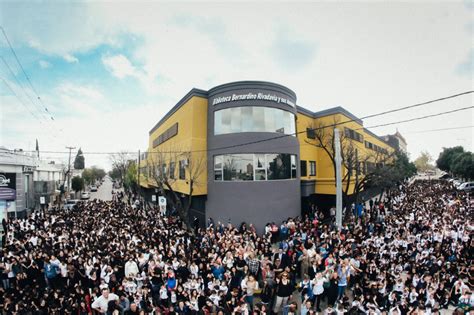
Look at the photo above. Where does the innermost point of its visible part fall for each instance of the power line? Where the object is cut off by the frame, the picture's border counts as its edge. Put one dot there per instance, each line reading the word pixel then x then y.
pixel 319 128
pixel 27 108
pixel 24 72
pixel 422 117
pixel 22 87
pixel 441 129
pixel 419 104
pixel 209 150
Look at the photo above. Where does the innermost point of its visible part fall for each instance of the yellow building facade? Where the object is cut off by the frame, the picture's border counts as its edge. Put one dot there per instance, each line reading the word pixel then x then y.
pixel 280 147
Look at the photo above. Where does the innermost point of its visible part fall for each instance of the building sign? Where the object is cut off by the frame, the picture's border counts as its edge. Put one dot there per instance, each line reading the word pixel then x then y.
pixel 42 200
pixel 153 198
pixel 252 96
pixel 8 180
pixel 162 204
pixel 7 186
pixel 28 169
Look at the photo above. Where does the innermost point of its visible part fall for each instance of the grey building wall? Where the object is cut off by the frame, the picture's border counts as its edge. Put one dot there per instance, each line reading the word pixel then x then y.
pixel 257 202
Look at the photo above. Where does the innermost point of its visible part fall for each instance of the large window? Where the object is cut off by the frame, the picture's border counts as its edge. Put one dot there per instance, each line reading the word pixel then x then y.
pixel 253 119
pixel 250 167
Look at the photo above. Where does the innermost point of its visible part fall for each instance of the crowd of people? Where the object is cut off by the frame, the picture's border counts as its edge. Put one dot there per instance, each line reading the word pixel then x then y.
pixel 410 253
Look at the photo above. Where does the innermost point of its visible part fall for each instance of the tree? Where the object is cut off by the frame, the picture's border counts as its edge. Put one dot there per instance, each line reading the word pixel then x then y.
pixel 79 162
pixel 463 165
pixel 352 159
pixel 91 175
pixel 77 183
pixel 423 162
pixel 447 156
pixel 120 163
pixel 130 179
pixel 161 162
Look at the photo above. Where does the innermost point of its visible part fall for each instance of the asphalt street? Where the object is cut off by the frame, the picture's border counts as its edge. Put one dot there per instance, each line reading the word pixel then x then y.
pixel 104 192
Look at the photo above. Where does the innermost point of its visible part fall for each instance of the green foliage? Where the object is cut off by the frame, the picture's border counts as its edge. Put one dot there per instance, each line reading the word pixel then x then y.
pixel 77 183
pixel 91 175
pixel 79 162
pixel 462 165
pixel 115 174
pixel 447 157
pixel 130 180
pixel 423 162
pixel 390 174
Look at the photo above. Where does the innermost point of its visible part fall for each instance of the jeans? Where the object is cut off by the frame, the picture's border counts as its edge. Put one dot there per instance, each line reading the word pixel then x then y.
pixel 249 300
pixel 340 291
pixel 6 284
pixel 279 302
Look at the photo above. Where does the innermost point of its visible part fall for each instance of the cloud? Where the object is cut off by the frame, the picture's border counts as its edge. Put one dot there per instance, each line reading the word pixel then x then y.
pixel 120 66
pixel 466 68
pixel 70 58
pixel 44 64
pixel 291 52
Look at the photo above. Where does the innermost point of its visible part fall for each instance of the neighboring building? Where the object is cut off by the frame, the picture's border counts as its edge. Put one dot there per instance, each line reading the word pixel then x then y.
pixel 16 182
pixel 48 178
pixel 23 180
pixel 256 169
pixel 397 141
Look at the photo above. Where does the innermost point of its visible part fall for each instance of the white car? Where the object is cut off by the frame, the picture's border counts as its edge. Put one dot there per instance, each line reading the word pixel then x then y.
pixel 85 195
pixel 71 203
pixel 468 186
pixel 93 188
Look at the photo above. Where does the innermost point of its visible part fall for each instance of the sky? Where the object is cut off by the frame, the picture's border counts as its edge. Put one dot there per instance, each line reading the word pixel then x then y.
pixel 107 72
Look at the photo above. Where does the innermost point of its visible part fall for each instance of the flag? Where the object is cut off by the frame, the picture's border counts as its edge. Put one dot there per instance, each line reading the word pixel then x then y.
pixel 37 148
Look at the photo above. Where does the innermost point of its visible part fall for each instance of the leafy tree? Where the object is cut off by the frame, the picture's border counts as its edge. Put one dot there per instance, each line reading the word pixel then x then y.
pixel 423 162
pixel 91 175
pixel 130 180
pixel 88 176
pixel 79 162
pixel 447 156
pixel 463 165
pixel 77 183
pixel 115 174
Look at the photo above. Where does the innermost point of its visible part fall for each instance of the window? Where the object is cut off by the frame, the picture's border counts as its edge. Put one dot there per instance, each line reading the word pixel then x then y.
pixel 260 167
pixel 352 134
pixel 238 167
pixel 253 119
pixel 169 133
pixel 172 170
pixel 310 133
pixel 218 167
pixel 279 166
pixel 164 170
pixel 182 170
pixel 254 167
pixel 303 168
pixel 312 168
pixel 293 166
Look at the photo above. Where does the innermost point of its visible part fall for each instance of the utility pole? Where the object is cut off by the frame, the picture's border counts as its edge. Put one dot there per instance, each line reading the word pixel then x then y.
pixel 337 146
pixel 69 170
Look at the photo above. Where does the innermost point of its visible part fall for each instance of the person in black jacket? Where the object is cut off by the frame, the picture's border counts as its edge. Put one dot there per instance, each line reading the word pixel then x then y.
pixel 332 290
pixel 284 290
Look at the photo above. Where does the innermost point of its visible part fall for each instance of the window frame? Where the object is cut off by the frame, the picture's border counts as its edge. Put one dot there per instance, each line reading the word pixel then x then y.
pixel 312 168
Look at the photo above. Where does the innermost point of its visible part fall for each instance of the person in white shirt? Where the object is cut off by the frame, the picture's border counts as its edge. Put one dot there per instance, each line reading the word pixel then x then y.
pixel 101 304
pixel 131 268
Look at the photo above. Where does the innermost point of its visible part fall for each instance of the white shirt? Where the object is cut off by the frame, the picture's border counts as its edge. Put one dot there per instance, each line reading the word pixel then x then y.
pixel 131 267
pixel 102 303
